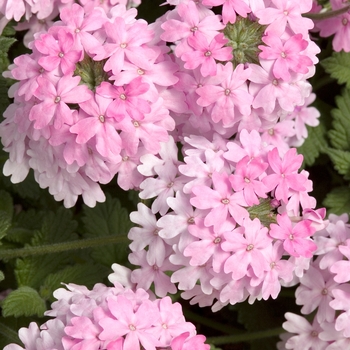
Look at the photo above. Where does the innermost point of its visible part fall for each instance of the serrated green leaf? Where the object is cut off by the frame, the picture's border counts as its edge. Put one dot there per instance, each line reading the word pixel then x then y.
pixel 108 218
pixel 338 66
pixel 314 144
pixel 24 301
pixel 5 44
pixel 340 135
pixel 341 160
pixel 32 271
pixel 338 200
pixel 58 227
pixel 5 223
pixel 83 274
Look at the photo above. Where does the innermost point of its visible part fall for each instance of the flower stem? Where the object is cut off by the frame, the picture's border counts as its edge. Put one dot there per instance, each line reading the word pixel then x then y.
pixel 327 14
pixel 9 334
pixel 210 322
pixel 246 337
pixel 61 247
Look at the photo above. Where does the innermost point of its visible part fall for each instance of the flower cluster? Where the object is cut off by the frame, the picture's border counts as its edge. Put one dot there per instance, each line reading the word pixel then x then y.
pixel 324 290
pixel 88 103
pixel 230 215
pixel 38 15
pixel 244 69
pixel 111 318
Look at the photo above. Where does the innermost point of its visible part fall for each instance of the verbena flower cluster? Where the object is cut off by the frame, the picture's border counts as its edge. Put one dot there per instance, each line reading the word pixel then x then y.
pixel 88 103
pixel 229 216
pixel 111 318
pixel 199 112
pixel 324 291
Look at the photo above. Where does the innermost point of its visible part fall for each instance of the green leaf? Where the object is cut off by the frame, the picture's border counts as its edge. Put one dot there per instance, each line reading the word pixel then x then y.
pixel 338 66
pixel 108 218
pixel 24 301
pixel 341 161
pixel 2 276
pixel 314 144
pixel 340 135
pixel 5 44
pixel 5 223
pixel 83 274
pixel 58 227
pixel 32 271
pixel 338 200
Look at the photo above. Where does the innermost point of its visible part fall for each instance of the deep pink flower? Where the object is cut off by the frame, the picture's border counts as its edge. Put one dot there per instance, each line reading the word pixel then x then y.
pixel 286 55
pixel 295 238
pixel 246 179
pixel 285 173
pixel 221 200
pixel 128 100
pixel 58 51
pixel 53 105
pixel 228 94
pixel 124 41
pixel 204 53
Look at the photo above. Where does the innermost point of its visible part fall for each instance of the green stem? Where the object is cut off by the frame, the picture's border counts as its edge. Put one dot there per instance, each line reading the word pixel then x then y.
pixel 246 337
pixel 327 14
pixel 9 334
pixel 210 322
pixel 61 247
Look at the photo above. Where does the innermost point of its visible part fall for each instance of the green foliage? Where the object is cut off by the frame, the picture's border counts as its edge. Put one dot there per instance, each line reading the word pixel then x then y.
pixel 338 200
pixel 341 161
pixel 338 66
pixel 314 144
pixel 84 274
pixel 5 44
pixel 340 134
pixel 24 301
pixel 108 218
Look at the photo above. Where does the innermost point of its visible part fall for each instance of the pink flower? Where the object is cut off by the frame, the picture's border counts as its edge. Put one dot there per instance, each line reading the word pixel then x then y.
pixel 53 101
pixel 245 178
pixel 286 55
pixel 247 244
pixel 306 335
pixel 58 51
pixel 228 94
pixel 134 324
pixel 205 53
pixel 124 41
pixel 221 200
pixel 286 12
pixel 285 173
pixel 295 238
